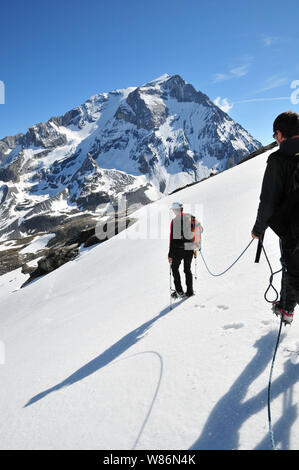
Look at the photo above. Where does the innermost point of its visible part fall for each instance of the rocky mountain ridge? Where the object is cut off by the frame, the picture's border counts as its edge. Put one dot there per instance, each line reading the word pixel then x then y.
pixel 138 143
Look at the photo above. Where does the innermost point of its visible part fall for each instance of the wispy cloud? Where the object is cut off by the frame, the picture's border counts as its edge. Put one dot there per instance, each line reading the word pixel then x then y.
pixel 275 81
pixel 254 100
pixel 235 72
pixel 268 40
pixel 240 71
pixel 226 106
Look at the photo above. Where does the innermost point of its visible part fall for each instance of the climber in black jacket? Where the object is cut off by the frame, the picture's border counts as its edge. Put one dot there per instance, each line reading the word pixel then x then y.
pixel 281 180
pixel 181 249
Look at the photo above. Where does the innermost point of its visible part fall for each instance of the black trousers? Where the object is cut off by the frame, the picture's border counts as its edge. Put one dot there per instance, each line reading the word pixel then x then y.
pixel 178 257
pixel 290 254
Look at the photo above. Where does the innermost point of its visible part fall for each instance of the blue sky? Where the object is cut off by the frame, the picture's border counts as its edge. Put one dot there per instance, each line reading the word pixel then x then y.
pixel 54 55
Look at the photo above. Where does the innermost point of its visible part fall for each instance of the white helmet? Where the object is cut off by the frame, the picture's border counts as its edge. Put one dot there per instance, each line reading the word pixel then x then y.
pixel 177 205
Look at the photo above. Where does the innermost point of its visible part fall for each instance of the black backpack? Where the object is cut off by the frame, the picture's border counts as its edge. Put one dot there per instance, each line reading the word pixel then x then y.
pixel 285 220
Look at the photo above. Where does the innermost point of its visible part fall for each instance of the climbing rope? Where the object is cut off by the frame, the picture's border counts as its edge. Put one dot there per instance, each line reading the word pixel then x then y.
pixel 171 290
pixel 269 388
pixel 283 271
pixel 220 274
pixel 271 286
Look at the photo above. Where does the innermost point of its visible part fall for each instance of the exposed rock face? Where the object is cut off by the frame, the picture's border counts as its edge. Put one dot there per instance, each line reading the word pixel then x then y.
pixel 65 246
pixel 140 142
pixel 146 117
pixel 44 135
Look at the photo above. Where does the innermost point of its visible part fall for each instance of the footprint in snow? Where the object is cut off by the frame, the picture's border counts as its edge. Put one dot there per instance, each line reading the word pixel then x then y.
pixel 200 306
pixel 266 322
pixel 223 307
pixel 233 326
pixel 295 357
pixel 291 351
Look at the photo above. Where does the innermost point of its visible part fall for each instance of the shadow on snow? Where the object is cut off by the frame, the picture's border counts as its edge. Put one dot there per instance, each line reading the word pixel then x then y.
pixel 222 429
pixel 109 355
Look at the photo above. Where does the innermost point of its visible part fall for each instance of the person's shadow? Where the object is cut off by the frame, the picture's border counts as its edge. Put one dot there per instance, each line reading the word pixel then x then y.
pixel 106 357
pixel 221 431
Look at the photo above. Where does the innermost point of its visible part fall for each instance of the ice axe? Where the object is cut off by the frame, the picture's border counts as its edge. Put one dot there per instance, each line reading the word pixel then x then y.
pixel 259 248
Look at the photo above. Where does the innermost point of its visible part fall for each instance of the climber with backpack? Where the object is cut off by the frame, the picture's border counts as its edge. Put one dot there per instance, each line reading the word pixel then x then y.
pixel 279 208
pixel 185 234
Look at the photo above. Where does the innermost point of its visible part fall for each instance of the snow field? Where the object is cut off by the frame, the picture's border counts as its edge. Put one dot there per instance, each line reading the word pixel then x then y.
pixel 94 359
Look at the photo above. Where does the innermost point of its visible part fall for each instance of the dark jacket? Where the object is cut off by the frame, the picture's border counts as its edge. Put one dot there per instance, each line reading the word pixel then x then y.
pixel 277 184
pixel 180 236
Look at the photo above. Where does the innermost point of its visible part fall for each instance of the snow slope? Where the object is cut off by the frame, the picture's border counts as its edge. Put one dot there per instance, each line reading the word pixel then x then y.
pixel 94 359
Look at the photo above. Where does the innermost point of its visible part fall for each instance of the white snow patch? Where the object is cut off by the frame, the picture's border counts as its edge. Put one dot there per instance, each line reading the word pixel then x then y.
pixel 37 244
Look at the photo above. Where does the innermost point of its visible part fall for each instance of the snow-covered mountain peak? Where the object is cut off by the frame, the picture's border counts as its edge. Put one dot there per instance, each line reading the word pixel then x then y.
pixel 163 135
pixel 158 80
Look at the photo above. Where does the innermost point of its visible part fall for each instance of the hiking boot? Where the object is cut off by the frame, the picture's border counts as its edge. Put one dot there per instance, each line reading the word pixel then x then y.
pixel 189 293
pixel 177 294
pixel 287 315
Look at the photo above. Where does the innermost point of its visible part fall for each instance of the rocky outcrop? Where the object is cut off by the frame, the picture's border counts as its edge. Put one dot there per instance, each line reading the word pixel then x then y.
pixel 65 246
pixel 146 117
pixel 54 259
pixel 43 135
